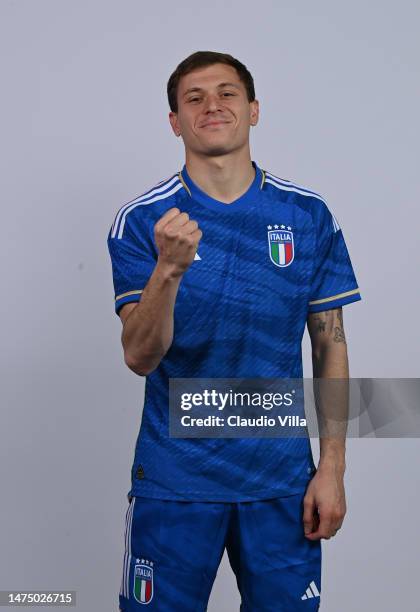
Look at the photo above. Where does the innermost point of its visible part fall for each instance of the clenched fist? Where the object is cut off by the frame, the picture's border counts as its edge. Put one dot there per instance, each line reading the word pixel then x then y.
pixel 177 238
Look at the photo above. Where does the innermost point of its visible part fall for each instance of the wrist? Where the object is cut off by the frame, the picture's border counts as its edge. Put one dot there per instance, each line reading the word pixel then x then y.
pixel 332 462
pixel 168 271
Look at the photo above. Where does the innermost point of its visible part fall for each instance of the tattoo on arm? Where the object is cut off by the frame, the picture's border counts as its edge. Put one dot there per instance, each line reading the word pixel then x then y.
pixel 330 321
pixel 321 319
pixel 320 324
pixel 339 335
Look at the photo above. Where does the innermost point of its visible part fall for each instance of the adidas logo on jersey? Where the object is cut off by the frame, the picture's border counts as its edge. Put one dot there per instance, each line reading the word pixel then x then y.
pixel 311 591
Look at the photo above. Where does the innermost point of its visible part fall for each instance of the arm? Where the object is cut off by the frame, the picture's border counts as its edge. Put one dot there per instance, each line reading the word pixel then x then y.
pixel 148 325
pixel 324 504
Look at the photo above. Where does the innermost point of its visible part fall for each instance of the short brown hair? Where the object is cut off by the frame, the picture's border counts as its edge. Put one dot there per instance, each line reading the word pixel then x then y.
pixel 201 59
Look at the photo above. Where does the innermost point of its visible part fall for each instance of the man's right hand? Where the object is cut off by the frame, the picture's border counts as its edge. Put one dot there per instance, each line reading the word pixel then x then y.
pixel 177 238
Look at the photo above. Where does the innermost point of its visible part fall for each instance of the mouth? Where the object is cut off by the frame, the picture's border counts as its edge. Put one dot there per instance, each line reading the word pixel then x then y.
pixel 213 124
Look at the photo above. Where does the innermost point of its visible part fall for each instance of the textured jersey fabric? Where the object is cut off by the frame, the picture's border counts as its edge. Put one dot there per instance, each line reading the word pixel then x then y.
pixel 264 262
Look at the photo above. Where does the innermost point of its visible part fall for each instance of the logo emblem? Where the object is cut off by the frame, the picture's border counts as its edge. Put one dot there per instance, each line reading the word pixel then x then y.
pixel 143 581
pixel 280 245
pixel 311 591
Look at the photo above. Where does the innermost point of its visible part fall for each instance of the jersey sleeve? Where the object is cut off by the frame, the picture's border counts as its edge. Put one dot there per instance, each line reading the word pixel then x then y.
pixel 333 281
pixel 133 257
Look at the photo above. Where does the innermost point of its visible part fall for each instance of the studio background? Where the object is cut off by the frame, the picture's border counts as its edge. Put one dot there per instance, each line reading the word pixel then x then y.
pixel 85 129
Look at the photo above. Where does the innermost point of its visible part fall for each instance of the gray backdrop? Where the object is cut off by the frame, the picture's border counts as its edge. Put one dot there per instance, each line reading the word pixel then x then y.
pixel 85 129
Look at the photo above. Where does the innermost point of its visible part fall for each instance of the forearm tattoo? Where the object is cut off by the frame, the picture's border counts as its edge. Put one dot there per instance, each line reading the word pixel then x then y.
pixel 330 321
pixel 320 324
pixel 339 327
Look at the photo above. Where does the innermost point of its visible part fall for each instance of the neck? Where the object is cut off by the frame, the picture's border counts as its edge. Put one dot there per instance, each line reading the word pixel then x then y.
pixel 225 177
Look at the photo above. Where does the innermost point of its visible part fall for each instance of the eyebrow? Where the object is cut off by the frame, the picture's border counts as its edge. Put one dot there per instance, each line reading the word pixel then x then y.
pixel 192 89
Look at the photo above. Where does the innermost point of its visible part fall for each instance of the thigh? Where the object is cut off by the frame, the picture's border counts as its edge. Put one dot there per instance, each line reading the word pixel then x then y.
pixel 276 567
pixel 172 552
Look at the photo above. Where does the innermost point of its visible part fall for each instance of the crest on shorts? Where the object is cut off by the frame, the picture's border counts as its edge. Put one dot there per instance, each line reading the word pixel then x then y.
pixel 280 245
pixel 143 581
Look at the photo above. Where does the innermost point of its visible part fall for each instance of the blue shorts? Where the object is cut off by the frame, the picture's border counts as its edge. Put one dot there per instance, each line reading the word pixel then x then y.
pixel 173 550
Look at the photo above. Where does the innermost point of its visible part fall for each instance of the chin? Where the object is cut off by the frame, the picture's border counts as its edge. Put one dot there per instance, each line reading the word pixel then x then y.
pixel 216 150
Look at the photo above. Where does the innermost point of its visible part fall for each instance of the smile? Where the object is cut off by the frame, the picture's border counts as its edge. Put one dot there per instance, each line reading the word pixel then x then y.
pixel 214 124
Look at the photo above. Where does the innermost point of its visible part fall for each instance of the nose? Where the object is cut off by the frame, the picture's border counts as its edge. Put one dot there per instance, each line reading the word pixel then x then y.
pixel 212 103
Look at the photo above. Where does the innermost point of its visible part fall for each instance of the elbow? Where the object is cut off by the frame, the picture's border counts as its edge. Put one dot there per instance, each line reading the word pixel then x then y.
pixel 142 366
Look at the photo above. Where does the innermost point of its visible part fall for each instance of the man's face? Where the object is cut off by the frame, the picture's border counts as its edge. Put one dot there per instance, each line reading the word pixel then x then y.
pixel 214 115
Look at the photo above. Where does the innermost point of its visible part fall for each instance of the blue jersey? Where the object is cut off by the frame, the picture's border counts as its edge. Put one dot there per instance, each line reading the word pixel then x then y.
pixel 263 263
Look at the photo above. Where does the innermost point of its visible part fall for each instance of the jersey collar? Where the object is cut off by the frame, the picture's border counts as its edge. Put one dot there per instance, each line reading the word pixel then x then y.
pixel 244 200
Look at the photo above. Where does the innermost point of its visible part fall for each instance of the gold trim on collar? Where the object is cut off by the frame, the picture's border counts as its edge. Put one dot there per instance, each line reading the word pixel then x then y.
pixel 184 184
pixel 187 188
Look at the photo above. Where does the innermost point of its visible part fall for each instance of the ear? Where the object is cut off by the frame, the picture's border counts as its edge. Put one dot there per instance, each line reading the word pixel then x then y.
pixel 173 120
pixel 254 112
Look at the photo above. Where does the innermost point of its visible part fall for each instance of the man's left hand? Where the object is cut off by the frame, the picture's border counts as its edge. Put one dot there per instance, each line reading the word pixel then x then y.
pixel 324 505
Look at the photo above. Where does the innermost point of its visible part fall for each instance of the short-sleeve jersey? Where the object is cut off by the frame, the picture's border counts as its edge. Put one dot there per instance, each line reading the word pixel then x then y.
pixel 263 263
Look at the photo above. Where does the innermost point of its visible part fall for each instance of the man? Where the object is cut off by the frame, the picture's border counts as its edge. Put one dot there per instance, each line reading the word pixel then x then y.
pixel 205 289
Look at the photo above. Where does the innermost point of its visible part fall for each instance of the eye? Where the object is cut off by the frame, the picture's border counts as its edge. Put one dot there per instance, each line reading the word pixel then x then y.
pixel 227 93
pixel 196 99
